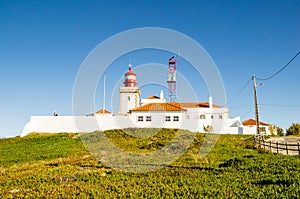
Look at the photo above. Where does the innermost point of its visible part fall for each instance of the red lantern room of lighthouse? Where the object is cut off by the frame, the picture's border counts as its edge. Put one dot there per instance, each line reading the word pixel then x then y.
pixel 129 93
pixel 130 78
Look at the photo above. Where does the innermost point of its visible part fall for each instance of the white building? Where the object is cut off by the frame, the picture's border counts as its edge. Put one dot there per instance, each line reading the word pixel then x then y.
pixel 250 127
pixel 154 99
pixel 154 112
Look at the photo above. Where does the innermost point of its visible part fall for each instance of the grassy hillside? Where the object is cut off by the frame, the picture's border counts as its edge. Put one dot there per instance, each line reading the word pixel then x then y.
pixel 59 166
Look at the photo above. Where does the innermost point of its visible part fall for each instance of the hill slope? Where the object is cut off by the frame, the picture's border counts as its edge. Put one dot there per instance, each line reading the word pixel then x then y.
pixel 59 166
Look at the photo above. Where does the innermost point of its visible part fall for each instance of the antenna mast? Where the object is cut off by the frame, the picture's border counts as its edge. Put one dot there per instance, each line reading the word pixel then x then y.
pixel 172 79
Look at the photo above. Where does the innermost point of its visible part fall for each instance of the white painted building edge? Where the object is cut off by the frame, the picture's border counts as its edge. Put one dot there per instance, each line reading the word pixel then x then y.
pixel 100 122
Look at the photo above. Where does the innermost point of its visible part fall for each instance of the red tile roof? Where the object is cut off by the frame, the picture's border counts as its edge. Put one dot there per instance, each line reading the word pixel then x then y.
pixel 194 104
pixel 159 107
pixel 153 97
pixel 251 122
pixel 172 106
pixel 103 111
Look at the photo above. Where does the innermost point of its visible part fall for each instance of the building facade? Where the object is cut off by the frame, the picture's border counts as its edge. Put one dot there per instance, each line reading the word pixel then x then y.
pixel 152 112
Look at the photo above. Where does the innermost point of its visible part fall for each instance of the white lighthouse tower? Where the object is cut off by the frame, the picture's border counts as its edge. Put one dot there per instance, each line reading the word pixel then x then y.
pixel 129 93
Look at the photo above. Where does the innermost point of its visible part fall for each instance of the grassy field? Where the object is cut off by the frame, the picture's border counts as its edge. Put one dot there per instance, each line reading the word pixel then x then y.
pixel 59 166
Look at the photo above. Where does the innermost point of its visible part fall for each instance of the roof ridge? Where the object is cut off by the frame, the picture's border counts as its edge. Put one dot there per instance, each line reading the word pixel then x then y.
pixel 246 122
pixel 149 105
pixel 101 111
pixel 171 103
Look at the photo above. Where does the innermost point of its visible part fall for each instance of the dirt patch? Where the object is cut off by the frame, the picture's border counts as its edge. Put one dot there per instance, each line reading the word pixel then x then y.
pixel 291 142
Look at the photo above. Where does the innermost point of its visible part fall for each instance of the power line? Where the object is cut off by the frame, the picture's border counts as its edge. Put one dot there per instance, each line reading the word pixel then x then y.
pixel 241 106
pixel 246 113
pixel 281 105
pixel 244 87
pixel 270 77
pixel 261 79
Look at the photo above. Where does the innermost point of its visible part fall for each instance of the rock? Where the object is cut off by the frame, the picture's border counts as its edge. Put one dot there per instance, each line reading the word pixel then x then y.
pixel 14 191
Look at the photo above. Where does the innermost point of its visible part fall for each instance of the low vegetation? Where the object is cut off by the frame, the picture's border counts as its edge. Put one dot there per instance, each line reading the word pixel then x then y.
pixel 59 166
pixel 294 129
pixel 275 130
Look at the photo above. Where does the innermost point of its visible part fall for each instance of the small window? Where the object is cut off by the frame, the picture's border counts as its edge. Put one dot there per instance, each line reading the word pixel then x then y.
pixel 128 98
pixel 168 118
pixel 262 129
pixel 220 117
pixel 212 117
pixel 140 118
pixel 148 118
pixel 176 118
pixel 202 117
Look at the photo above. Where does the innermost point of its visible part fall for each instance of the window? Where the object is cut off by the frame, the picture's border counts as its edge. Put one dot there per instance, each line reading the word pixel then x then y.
pixel 262 129
pixel 148 118
pixel 176 118
pixel 202 117
pixel 212 117
pixel 128 98
pixel 140 118
pixel 168 118
pixel 220 117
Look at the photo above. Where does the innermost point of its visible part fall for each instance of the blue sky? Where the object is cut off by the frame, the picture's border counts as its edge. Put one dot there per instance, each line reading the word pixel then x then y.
pixel 43 43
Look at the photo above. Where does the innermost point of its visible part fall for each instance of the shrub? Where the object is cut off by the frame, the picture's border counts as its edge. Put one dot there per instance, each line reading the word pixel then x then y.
pixel 294 129
pixel 280 131
pixel 275 130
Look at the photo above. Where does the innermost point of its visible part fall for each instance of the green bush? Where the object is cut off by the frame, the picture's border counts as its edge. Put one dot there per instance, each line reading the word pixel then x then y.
pixel 280 131
pixel 294 129
pixel 275 130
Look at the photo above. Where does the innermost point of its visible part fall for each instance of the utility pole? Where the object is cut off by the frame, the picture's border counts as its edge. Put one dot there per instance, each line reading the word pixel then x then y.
pixel 256 105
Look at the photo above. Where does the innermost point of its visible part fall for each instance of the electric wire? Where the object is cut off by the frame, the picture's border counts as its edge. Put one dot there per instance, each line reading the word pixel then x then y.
pixel 233 98
pixel 276 73
pixel 241 106
pixel 280 105
pixel 246 113
pixel 262 79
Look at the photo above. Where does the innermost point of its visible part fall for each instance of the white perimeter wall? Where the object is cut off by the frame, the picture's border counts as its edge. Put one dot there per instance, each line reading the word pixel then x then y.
pixel 187 120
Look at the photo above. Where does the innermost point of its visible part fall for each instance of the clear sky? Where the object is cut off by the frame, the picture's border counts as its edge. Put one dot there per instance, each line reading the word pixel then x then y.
pixel 43 43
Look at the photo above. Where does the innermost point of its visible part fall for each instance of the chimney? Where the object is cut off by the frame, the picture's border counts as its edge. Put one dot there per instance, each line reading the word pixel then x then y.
pixel 161 95
pixel 210 102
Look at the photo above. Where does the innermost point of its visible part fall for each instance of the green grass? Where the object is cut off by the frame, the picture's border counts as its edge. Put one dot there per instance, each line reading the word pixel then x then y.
pixel 59 166
pixel 128 141
pixel 38 147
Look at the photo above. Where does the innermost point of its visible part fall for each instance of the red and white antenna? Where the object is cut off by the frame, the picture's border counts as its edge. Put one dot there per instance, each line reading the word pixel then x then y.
pixel 172 79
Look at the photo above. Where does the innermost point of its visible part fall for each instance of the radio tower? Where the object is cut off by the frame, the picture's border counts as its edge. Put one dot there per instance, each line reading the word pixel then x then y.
pixel 172 79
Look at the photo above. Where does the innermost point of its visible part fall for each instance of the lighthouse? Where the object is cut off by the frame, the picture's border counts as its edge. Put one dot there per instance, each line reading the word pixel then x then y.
pixel 129 93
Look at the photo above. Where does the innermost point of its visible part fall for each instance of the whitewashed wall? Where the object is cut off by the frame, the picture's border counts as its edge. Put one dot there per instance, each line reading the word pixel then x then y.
pixel 187 120
pixel 52 124
pixel 251 130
